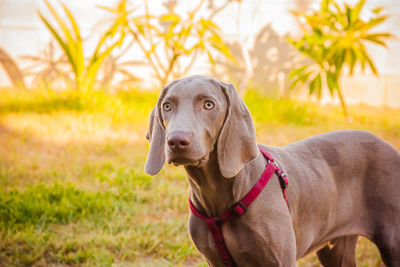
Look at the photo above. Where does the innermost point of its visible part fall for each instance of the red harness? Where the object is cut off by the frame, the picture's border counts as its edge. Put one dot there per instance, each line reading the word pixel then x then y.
pixel 239 208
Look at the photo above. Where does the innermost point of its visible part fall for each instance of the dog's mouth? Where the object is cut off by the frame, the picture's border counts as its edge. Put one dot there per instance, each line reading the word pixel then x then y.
pixel 185 161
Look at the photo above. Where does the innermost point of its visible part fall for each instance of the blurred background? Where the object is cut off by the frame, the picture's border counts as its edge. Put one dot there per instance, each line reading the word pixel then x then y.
pixel 255 31
pixel 78 80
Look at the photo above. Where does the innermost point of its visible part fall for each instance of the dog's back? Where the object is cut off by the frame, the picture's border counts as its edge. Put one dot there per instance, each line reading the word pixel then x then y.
pixel 344 183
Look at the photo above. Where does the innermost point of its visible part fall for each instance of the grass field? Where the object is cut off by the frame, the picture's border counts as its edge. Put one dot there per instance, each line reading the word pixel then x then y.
pixel 72 186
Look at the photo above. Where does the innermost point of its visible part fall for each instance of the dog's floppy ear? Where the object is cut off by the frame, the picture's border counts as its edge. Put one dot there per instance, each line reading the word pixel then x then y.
pixel 156 136
pixel 236 143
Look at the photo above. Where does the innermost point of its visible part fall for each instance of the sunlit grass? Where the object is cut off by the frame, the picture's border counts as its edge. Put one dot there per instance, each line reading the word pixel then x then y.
pixel 73 190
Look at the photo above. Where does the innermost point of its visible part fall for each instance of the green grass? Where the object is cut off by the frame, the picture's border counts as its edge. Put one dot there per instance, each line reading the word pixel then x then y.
pixel 41 205
pixel 72 186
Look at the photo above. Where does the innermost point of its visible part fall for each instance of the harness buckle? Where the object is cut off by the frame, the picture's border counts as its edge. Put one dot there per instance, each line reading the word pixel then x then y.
pixel 217 220
pixel 282 181
pixel 276 164
pixel 239 208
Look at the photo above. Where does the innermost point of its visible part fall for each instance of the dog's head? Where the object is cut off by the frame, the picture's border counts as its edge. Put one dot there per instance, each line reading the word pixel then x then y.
pixel 192 117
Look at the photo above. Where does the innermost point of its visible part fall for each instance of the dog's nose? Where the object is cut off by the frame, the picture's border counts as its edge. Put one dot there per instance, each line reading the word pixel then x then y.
pixel 178 141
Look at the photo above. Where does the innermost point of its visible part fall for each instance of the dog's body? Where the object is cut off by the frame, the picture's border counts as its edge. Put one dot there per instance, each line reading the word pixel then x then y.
pixel 342 184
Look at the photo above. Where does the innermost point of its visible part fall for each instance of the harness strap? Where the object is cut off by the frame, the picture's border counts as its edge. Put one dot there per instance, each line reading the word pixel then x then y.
pixel 239 208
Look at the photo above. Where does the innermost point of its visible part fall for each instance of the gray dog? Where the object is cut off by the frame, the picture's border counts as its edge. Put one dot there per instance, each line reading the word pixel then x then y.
pixel 342 184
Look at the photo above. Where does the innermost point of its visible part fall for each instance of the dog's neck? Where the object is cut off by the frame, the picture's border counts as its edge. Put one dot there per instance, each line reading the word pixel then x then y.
pixel 211 193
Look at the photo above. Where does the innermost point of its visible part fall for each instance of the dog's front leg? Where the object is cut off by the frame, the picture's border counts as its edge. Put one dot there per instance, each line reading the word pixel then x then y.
pixel 251 241
pixel 269 242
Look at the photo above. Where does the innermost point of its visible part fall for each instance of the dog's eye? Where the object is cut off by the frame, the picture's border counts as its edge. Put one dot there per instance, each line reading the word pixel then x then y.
pixel 208 105
pixel 167 106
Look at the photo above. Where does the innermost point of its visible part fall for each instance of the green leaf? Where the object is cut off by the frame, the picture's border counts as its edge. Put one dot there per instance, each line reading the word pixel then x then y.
pixel 190 50
pixel 210 57
pixel 355 13
pixel 315 86
pixel 73 22
pixel 300 79
pixel 79 58
pixel 351 59
pixel 373 22
pixel 92 69
pixel 152 49
pixel 368 60
pixel 377 10
pixel 208 24
pixel 348 15
pixel 339 58
pixel 140 28
pixel 375 38
pixel 332 81
pixel 187 30
pixel 297 71
pixel 324 6
pixel 216 42
pixel 109 9
pixel 170 18
pixel 177 45
pixel 376 41
pixel 64 28
pixel 318 32
pixel 61 42
pixel 360 58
